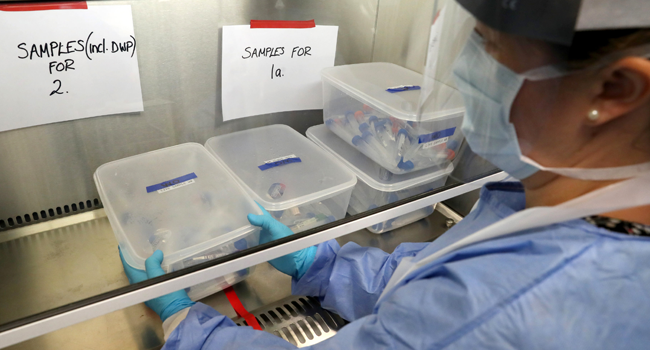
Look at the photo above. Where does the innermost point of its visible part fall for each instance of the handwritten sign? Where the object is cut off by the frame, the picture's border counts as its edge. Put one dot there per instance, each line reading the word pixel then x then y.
pixel 274 70
pixel 67 64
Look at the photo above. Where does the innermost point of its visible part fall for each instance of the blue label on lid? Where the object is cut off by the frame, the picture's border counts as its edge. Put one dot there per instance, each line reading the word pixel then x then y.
pixel 401 88
pixel 172 182
pixel 436 135
pixel 279 161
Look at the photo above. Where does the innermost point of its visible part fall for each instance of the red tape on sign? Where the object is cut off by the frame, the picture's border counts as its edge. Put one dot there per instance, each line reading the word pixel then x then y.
pixel 42 6
pixel 282 24
pixel 240 309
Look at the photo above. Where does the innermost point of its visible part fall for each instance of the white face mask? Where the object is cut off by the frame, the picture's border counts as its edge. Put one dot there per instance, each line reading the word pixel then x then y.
pixel 489 89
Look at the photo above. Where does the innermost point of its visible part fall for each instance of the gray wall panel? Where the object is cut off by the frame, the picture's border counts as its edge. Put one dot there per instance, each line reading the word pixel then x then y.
pixel 403 28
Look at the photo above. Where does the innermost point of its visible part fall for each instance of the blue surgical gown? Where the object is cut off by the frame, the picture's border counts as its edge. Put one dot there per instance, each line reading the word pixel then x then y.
pixel 563 286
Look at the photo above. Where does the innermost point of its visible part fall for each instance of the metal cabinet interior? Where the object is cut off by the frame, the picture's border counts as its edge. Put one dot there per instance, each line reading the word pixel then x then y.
pixel 46 171
pixel 179 53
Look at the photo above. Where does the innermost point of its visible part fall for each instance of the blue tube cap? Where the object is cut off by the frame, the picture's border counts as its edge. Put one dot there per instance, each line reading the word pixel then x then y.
pixel 373 118
pixel 452 144
pixel 357 140
pixel 241 244
pixel 364 127
pixel 408 165
pixel 403 131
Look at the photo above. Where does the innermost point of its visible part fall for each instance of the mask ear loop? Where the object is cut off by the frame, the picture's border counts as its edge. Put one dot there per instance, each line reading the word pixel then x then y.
pixel 595 174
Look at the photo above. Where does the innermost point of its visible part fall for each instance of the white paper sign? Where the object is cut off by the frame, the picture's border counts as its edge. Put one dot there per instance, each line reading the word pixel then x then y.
pixel 62 65
pixel 274 70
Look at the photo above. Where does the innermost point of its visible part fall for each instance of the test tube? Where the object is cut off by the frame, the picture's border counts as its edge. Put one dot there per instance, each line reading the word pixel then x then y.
pixel 352 120
pixel 396 125
pixel 375 145
pixel 403 145
pixel 276 190
pixel 403 142
pixel 359 143
pixel 338 127
pixel 360 117
pixel 381 131
pixel 385 174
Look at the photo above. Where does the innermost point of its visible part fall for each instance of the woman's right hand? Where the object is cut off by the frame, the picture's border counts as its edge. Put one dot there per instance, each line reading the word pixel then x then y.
pixel 293 264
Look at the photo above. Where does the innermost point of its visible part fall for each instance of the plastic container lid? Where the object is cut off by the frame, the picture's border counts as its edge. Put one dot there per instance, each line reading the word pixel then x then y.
pixel 369 171
pixel 180 196
pixel 264 159
pixel 367 82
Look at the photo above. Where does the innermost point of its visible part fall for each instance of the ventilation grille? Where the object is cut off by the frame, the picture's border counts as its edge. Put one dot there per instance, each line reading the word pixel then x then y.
pixel 49 214
pixel 298 320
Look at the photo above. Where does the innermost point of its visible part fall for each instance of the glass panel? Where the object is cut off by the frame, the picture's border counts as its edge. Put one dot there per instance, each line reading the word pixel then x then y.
pixel 178 178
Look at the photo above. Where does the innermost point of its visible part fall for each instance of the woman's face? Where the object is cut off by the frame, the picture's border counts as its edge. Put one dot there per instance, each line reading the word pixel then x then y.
pixel 548 115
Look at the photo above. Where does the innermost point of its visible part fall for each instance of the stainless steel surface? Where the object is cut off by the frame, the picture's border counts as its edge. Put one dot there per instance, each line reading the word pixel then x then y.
pixel 62 264
pixel 179 54
pixel 403 28
pixel 72 271
pixel 449 213
pixel 137 327
pixel 297 319
pixel 463 204
pixel 56 267
pixel 51 225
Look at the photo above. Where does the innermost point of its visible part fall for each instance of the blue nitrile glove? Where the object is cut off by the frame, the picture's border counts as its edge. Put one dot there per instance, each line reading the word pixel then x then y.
pixel 293 264
pixel 165 305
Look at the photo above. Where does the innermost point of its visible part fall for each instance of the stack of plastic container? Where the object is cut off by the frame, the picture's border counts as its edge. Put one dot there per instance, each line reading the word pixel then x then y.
pixel 378 186
pixel 179 200
pixel 374 107
pixel 300 184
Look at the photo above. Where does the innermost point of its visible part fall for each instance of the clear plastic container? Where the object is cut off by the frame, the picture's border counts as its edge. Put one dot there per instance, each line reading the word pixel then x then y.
pixel 385 126
pixel 378 186
pixel 300 184
pixel 179 200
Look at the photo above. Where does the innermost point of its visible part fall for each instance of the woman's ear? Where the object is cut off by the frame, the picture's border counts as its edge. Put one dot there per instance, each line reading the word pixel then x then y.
pixel 623 86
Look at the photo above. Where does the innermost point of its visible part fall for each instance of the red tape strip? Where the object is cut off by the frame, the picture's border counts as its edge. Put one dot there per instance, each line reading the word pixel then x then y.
pixel 42 6
pixel 240 309
pixel 282 24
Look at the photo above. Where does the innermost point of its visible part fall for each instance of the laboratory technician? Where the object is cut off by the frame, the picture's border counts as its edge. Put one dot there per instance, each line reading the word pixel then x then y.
pixel 557 94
